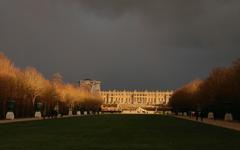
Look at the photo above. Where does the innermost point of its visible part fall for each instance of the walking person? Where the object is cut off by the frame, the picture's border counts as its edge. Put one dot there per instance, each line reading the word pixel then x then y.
pixel 197 115
pixel 201 115
pixel 190 114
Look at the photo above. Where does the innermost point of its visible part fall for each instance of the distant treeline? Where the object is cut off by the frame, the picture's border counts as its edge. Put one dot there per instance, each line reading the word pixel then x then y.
pixel 26 87
pixel 218 93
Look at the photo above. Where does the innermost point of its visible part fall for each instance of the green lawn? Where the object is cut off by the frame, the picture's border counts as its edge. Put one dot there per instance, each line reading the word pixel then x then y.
pixel 131 132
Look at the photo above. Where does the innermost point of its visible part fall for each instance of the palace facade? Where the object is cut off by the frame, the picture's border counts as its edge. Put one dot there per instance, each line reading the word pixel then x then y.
pixel 125 99
pixel 147 98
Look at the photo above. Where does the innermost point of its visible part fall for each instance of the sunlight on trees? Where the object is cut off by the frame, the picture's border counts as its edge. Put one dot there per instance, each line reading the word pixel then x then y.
pixel 28 86
pixel 218 93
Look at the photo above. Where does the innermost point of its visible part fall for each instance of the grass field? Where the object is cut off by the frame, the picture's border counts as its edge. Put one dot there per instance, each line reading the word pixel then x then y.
pixel 132 132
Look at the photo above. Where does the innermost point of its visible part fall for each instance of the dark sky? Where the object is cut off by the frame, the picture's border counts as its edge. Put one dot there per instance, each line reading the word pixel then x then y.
pixel 131 44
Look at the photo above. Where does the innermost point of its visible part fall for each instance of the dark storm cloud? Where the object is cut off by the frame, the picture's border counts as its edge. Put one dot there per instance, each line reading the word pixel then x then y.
pixel 152 44
pixel 186 23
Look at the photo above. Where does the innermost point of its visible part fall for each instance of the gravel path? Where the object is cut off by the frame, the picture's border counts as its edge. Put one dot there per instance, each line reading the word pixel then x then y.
pixel 225 124
pixel 18 120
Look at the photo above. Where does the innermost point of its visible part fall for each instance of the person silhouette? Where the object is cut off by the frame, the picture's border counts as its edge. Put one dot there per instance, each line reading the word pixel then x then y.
pixel 201 115
pixel 197 115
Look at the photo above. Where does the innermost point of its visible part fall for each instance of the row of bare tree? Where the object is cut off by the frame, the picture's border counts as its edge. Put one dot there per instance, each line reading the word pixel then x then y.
pixel 218 93
pixel 27 86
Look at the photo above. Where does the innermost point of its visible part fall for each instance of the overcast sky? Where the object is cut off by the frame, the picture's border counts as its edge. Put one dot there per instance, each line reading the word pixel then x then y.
pixel 127 44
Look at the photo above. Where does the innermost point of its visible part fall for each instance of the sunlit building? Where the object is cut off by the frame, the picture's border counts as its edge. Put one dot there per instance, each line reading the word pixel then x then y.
pixel 140 98
pixel 114 100
pixel 91 86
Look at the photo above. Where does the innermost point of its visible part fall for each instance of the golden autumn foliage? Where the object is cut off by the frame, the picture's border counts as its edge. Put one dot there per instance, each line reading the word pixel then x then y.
pixel 218 93
pixel 28 86
pixel 184 97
